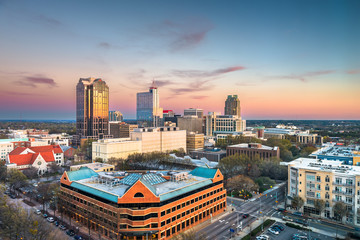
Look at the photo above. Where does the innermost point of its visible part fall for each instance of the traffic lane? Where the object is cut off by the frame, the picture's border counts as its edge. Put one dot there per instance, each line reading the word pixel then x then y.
pixel 220 225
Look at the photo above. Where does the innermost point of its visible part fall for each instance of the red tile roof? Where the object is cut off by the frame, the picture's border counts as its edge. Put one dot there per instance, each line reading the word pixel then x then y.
pixel 46 152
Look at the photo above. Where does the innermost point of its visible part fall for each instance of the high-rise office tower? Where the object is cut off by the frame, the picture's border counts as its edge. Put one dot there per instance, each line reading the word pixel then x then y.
pixel 148 112
pixel 92 108
pixel 232 106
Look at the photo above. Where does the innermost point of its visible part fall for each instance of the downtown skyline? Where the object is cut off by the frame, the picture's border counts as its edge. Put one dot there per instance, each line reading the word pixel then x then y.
pixel 284 59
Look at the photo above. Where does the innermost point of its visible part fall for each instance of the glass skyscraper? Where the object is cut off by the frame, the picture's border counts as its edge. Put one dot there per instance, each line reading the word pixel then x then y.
pixel 92 108
pixel 232 106
pixel 148 112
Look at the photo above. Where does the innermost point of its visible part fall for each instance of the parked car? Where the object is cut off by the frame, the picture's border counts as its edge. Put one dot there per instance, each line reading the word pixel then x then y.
pixel 280 227
pixel 300 221
pixel 45 215
pixel 50 219
pixel 281 209
pixel 276 229
pixel 37 211
pixel 56 223
pixel 263 237
pixel 77 237
pixel 298 214
pixel 273 231
pixel 286 218
pixel 70 232
pixel 62 227
pixel 245 215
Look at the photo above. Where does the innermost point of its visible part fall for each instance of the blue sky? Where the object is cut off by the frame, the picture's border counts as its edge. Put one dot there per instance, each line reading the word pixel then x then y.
pixel 285 59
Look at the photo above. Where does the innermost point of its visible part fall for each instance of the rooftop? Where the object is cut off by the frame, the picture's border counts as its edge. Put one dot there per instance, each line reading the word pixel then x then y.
pixel 163 184
pixel 339 151
pixel 324 165
pixel 254 145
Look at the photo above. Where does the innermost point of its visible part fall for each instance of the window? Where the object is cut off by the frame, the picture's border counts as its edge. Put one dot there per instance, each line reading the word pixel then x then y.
pixel 310 177
pixel 318 195
pixel 338 180
pixel 327 188
pixel 349 182
pixel 318 178
pixel 327 179
pixel 327 204
pixel 138 195
pixel 318 187
pixel 327 196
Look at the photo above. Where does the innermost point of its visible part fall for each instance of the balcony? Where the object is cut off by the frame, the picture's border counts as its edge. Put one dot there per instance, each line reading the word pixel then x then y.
pixel 344 184
pixel 334 200
pixel 343 193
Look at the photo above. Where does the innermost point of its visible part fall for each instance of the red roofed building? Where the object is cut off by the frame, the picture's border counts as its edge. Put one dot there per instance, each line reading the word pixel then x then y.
pixel 38 157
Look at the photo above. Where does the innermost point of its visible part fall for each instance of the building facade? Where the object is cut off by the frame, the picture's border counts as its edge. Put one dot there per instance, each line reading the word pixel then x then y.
pixel 232 106
pixel 308 138
pixel 148 111
pixel 331 181
pixel 115 116
pixel 223 124
pixel 92 108
pixel 114 148
pixel 191 123
pixel 7 145
pixel 156 205
pixel 194 112
pixel 194 141
pixel 121 129
pixel 253 149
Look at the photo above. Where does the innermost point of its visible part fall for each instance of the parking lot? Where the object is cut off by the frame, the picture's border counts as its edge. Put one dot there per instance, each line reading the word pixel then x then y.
pixel 288 233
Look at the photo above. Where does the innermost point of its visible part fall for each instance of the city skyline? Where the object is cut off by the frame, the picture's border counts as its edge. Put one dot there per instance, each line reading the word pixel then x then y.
pixel 284 59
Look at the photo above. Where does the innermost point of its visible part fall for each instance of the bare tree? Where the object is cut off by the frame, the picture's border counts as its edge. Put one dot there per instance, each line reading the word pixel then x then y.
pixel 319 205
pixel 297 202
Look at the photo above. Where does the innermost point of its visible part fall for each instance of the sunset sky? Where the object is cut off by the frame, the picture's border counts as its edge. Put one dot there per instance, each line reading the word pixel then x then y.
pixel 284 59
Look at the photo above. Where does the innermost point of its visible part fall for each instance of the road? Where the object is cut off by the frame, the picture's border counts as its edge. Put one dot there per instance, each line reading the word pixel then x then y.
pixel 263 206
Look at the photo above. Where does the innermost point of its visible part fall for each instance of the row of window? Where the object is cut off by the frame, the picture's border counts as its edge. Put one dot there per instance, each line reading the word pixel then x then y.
pixel 181 226
pixel 173 209
pixel 174 218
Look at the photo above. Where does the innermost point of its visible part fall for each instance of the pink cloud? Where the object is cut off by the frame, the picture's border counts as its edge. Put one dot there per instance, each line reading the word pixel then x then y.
pixel 303 77
pixel 354 71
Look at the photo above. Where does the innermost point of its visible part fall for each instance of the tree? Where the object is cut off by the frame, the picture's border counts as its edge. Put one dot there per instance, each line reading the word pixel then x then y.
pixel 230 166
pixel 306 151
pixel 16 179
pixel 242 182
pixel 31 172
pixel 264 183
pixel 319 205
pixel 297 202
pixel 340 210
pixel 3 171
pixel 54 168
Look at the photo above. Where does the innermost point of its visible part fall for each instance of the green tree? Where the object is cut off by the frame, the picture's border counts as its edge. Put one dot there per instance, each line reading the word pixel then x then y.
pixel 340 210
pixel 230 166
pixel 16 179
pixel 3 171
pixel 319 205
pixel 297 202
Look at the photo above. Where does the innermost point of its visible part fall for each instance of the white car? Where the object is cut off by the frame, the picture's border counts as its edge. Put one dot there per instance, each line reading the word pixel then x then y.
pixel 37 211
pixel 273 231
pixel 263 237
pixel 50 219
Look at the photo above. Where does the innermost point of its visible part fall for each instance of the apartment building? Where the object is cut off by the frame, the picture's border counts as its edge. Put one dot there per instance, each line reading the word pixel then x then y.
pixel 142 205
pixel 331 181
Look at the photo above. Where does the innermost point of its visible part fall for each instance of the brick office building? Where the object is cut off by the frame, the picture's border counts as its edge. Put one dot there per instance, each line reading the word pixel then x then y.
pixel 252 149
pixel 152 205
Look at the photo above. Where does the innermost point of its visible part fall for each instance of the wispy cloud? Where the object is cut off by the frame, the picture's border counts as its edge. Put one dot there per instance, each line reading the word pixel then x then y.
pixel 12 93
pixel 47 20
pixel 354 71
pixel 184 35
pixel 304 77
pixel 35 81
pixel 163 83
pixel 199 97
pixel 197 86
pixel 245 84
pixel 105 45
pixel 204 74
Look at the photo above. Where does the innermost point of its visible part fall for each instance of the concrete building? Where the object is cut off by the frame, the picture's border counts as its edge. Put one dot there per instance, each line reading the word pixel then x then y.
pixel 121 129
pixel 194 112
pixel 223 124
pixel 114 148
pixel 92 109
pixel 142 205
pixel 211 154
pixel 232 106
pixel 191 123
pixel 331 181
pixel 160 139
pixel 96 167
pixel 252 149
pixel 168 113
pixel 307 138
pixel 7 145
pixel 115 116
pixel 142 140
pixel 39 157
pixel 148 111
pixel 349 155
pixel 194 141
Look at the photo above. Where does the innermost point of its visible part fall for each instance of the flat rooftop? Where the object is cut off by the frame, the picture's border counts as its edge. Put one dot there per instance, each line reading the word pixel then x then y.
pixel 340 151
pixel 253 146
pixel 164 184
pixel 324 165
